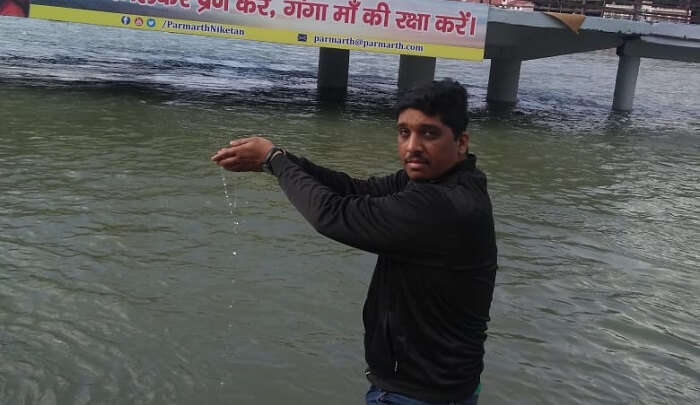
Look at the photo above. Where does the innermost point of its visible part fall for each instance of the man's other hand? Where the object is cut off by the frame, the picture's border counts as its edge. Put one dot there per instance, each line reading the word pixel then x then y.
pixel 244 155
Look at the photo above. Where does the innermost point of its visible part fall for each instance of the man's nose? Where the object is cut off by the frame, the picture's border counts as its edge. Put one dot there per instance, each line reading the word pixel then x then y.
pixel 414 143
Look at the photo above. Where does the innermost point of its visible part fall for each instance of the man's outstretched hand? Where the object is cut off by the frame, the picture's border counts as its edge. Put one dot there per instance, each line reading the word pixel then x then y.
pixel 244 155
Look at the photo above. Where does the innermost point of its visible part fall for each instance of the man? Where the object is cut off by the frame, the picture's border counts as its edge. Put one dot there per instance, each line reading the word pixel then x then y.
pixel 431 225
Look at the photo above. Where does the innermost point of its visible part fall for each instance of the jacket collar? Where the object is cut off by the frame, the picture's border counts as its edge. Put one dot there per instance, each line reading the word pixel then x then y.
pixel 466 165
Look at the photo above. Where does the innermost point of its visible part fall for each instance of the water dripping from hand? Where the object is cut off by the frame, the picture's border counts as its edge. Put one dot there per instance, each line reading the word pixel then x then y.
pixel 231 202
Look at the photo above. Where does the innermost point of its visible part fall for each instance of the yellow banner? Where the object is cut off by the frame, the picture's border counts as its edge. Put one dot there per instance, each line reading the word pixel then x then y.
pixel 350 42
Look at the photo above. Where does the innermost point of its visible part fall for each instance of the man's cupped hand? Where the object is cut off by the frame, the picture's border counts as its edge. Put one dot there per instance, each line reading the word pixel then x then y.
pixel 243 155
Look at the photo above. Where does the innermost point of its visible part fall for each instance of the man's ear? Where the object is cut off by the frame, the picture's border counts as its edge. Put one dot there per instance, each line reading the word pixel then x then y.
pixel 463 143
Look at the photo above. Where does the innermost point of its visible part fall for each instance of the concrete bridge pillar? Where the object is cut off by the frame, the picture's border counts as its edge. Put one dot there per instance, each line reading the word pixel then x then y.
pixel 504 78
pixel 415 70
pixel 333 73
pixel 626 82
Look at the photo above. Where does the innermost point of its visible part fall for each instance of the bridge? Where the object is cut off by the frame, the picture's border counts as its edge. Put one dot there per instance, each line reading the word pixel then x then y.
pixel 524 30
pixel 517 36
pixel 516 31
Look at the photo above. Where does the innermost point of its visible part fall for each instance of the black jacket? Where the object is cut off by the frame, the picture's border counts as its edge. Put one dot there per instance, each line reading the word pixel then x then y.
pixel 428 302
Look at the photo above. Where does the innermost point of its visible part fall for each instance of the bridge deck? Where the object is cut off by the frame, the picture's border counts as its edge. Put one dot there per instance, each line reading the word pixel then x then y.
pixel 530 35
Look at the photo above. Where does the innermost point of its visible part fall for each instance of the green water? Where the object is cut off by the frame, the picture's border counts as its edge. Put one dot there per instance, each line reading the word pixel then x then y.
pixel 118 278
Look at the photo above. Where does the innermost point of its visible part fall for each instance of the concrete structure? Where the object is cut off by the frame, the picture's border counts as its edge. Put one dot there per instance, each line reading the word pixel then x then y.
pixel 516 36
pixel 504 78
pixel 332 82
pixel 626 82
pixel 415 70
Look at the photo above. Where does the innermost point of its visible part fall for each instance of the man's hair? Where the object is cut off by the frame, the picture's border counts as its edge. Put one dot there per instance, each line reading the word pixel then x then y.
pixel 445 99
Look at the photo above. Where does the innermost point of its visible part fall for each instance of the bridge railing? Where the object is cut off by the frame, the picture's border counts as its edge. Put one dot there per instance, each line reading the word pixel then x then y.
pixel 658 10
pixel 679 11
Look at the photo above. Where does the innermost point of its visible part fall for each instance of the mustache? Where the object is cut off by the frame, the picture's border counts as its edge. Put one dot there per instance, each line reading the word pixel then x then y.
pixel 415 157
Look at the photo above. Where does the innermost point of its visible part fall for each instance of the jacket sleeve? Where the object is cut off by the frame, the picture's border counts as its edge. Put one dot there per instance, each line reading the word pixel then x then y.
pixel 398 224
pixel 346 185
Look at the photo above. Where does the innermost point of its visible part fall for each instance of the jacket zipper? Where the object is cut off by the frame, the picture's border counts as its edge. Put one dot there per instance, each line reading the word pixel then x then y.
pixel 396 367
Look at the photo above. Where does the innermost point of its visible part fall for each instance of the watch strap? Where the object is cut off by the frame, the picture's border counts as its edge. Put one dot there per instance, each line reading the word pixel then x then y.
pixel 274 151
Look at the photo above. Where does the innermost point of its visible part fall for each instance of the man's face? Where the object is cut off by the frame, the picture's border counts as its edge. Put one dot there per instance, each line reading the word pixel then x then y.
pixel 426 146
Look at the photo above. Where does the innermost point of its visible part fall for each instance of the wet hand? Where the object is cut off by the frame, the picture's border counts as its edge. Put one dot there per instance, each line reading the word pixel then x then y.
pixel 243 155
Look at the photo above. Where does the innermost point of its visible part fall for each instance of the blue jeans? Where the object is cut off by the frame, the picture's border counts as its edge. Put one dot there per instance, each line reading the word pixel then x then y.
pixel 377 396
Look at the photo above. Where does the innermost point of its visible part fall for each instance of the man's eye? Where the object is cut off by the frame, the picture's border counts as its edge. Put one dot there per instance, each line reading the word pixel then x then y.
pixel 430 133
pixel 404 132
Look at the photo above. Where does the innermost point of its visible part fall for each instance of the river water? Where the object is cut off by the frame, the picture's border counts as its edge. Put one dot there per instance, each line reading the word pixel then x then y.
pixel 134 271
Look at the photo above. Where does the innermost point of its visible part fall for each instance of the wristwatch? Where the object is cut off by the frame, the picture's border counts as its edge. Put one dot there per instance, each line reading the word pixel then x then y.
pixel 274 151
